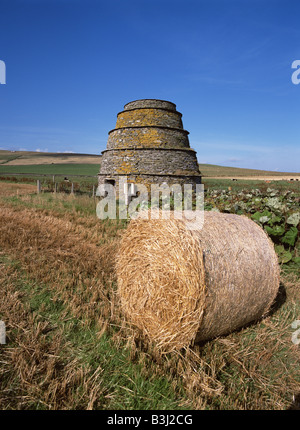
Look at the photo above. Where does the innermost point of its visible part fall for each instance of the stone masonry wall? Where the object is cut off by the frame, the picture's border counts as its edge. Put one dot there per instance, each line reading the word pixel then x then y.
pixel 149 117
pixel 147 137
pixel 150 103
pixel 151 161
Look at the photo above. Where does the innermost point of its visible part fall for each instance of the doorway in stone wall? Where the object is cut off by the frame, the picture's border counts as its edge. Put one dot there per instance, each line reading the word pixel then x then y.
pixel 110 181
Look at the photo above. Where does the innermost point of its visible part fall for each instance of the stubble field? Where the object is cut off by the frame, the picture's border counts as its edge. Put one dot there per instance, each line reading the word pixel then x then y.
pixel 68 344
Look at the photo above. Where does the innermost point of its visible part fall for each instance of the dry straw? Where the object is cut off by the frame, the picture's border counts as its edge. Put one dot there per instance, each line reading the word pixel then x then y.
pixel 180 285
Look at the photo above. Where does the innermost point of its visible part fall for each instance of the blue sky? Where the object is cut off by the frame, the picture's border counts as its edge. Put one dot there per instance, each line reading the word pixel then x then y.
pixel 71 65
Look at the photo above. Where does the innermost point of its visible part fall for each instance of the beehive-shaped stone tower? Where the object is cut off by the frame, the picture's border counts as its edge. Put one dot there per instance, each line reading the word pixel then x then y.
pixel 149 146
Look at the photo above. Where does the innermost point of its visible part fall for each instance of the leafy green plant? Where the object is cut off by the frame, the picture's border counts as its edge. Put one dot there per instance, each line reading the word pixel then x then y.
pixel 284 255
pixel 290 236
pixel 276 211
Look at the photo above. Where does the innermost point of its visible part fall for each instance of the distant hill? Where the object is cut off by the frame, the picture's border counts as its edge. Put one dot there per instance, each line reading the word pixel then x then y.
pixel 23 158
pixel 211 170
pixel 53 162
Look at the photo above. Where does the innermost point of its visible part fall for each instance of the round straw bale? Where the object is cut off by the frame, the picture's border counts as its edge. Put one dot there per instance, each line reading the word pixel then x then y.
pixel 180 285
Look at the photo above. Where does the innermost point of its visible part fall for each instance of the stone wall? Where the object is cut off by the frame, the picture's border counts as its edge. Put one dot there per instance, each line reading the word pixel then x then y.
pixel 147 137
pixel 150 103
pixel 150 161
pixel 149 117
pixel 151 180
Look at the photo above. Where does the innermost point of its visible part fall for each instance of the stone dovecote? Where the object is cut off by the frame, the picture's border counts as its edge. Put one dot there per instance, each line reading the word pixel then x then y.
pixel 150 146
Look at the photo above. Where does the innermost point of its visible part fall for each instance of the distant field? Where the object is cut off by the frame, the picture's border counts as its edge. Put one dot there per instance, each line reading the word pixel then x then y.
pixel 88 164
pixel 55 169
pixel 21 158
pixel 211 170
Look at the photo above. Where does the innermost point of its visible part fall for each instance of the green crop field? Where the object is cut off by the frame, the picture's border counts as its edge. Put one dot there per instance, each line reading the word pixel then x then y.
pixel 51 169
pixel 30 158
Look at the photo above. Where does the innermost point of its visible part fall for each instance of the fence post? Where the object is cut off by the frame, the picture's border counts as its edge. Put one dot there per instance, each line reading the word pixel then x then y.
pixel 93 195
pixel 72 188
pixel 55 187
pixel 38 186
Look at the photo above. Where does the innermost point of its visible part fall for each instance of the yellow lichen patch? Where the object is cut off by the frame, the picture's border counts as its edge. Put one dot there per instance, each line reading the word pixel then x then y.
pixel 149 117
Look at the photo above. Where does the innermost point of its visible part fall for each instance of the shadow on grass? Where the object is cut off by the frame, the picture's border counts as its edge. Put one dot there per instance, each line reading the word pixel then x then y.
pixel 279 299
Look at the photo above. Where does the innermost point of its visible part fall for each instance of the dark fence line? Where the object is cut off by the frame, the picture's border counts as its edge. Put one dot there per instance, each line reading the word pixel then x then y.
pixel 57 188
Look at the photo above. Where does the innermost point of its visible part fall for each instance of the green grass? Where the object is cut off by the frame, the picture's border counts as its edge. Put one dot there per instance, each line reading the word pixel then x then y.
pixel 52 169
pixel 33 155
pixel 60 203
